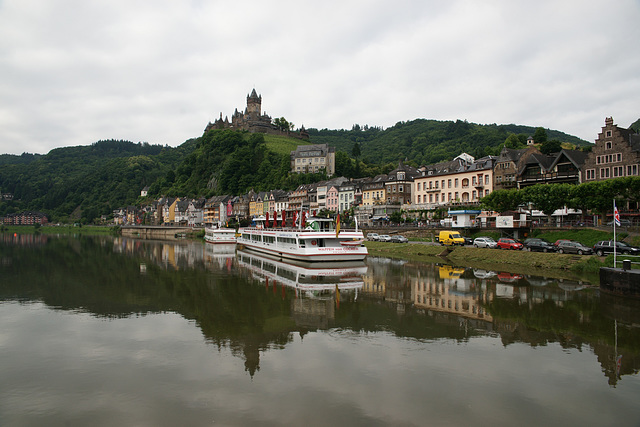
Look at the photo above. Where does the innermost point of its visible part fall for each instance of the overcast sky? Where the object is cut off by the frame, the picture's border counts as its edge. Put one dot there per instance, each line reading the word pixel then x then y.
pixel 75 72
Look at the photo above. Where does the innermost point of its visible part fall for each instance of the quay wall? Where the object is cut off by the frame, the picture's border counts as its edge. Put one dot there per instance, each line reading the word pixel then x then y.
pixel 620 282
pixel 157 232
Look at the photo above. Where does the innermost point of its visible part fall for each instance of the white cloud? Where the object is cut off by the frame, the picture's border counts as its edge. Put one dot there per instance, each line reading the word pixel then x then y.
pixel 74 72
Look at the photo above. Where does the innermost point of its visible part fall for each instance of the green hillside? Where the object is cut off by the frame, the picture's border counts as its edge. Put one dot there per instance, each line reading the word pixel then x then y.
pixel 428 141
pixel 84 182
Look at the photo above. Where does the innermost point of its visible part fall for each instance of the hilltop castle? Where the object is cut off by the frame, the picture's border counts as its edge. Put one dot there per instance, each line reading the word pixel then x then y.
pixel 253 120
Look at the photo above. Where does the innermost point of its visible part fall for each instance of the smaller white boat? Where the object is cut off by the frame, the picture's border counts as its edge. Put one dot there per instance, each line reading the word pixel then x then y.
pixel 220 235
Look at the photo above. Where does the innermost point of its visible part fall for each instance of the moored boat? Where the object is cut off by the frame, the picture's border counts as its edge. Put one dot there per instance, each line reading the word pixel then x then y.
pixel 220 235
pixel 317 241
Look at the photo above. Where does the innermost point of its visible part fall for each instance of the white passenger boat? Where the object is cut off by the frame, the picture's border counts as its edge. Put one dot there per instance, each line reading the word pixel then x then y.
pixel 220 235
pixel 317 241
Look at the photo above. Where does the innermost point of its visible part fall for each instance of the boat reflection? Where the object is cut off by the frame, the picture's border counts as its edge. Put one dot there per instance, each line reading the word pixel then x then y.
pixel 314 279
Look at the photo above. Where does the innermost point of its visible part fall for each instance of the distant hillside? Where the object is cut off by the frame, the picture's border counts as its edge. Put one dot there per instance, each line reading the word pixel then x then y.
pixel 84 182
pixel 428 141
pixel 91 180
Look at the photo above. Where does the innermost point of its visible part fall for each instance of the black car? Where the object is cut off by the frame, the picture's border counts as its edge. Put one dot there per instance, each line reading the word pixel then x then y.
pixel 538 245
pixel 606 247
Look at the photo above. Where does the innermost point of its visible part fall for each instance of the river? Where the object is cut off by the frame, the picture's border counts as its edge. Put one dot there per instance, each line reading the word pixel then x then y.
pixel 107 331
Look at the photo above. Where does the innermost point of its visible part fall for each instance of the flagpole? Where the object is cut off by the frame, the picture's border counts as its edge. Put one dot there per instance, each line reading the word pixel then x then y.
pixel 615 211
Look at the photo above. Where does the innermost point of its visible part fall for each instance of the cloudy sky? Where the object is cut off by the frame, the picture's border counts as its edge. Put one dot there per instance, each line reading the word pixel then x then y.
pixel 75 72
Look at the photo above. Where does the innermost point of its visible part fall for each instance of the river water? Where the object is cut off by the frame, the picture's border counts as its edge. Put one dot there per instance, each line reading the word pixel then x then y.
pixel 108 331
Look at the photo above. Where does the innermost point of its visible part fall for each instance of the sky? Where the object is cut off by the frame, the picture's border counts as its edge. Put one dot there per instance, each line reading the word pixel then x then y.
pixel 76 72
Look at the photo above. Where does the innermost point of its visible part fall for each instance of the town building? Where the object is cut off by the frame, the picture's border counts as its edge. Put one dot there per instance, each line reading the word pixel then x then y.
pixel 398 184
pixel 374 191
pixel 616 154
pixel 462 180
pixel 25 218
pixel 509 162
pixel 557 168
pixel 313 159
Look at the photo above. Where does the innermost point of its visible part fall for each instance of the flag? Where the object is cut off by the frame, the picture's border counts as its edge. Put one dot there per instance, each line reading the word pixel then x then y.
pixel 616 214
pixel 295 218
pixel 337 225
pixel 284 217
pixel 303 219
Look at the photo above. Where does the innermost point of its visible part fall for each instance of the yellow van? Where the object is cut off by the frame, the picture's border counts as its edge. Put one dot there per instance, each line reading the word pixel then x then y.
pixel 450 238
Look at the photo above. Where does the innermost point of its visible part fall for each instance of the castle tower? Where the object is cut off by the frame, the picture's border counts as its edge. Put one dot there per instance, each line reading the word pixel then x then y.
pixel 254 104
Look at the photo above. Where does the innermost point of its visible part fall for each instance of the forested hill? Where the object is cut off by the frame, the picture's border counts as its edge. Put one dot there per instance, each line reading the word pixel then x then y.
pixel 84 182
pixel 424 141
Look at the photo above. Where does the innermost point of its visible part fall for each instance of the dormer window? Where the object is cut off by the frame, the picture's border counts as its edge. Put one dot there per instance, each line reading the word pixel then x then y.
pixel 400 175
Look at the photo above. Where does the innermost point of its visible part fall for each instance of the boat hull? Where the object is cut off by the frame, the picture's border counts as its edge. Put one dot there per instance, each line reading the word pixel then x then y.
pixel 308 246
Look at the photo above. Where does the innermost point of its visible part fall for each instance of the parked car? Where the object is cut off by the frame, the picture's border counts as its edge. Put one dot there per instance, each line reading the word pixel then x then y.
pixel 606 247
pixel 506 243
pixel 372 236
pixel 467 240
pixel 384 238
pixel 538 245
pixel 574 248
pixel 398 238
pixel 557 243
pixel 623 223
pixel 485 242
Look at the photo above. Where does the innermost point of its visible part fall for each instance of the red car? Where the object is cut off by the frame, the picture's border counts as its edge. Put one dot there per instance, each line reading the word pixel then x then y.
pixel 505 243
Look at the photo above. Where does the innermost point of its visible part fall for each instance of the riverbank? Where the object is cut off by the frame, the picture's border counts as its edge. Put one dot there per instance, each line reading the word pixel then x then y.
pixel 61 229
pixel 562 266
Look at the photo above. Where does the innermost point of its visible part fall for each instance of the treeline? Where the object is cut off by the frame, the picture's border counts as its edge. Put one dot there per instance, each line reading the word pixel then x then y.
pixel 424 141
pixel 84 182
pixel 595 196
pixel 230 162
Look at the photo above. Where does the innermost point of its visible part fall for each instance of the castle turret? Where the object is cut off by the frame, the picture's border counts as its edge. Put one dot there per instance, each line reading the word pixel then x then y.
pixel 254 103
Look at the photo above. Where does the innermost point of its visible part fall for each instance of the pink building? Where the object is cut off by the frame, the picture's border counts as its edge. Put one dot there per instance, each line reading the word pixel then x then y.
pixel 332 199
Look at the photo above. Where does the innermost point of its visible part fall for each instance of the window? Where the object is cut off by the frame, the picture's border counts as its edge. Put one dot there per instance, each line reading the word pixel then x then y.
pixel 608 145
pixel 400 189
pixel 450 183
pixel 456 182
pixel 486 179
pixel 418 186
pixel 431 198
pixel 473 180
pixel 608 134
pixel 418 198
pixel 591 174
pixel 619 157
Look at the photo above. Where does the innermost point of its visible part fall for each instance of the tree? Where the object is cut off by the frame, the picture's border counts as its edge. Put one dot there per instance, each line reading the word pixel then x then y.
pixel 502 200
pixel 355 151
pixel 552 146
pixel 540 135
pixel 513 141
pixel 282 124
pixel 547 197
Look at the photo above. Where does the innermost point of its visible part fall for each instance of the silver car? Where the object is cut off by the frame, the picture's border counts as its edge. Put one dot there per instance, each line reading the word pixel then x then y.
pixel 384 238
pixel 485 242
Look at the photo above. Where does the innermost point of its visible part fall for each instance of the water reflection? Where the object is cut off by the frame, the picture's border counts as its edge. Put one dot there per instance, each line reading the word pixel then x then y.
pixel 250 303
